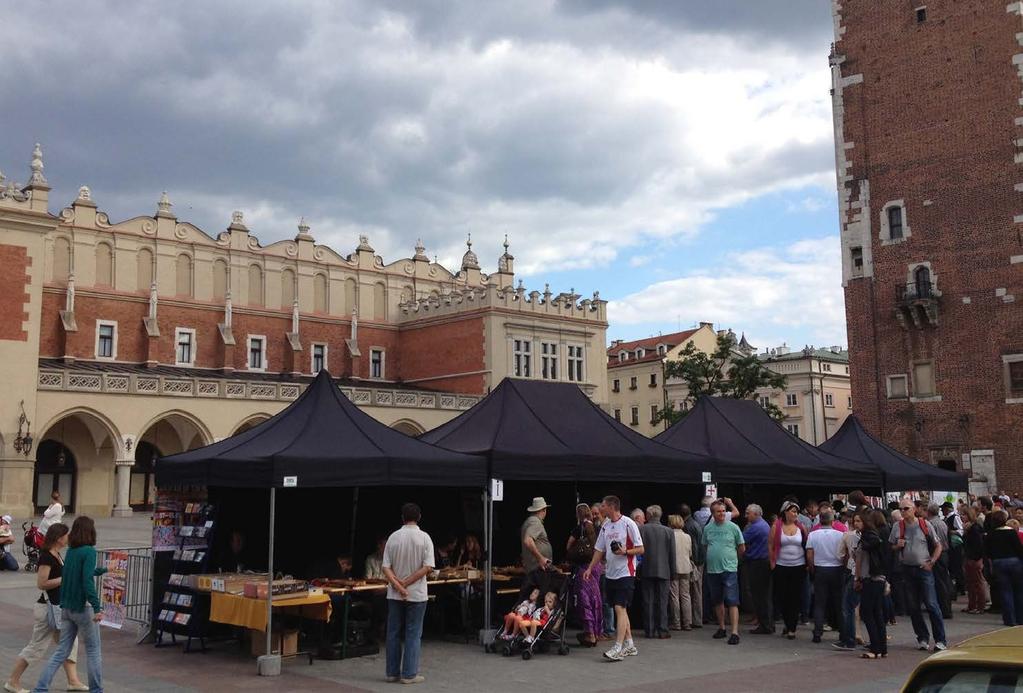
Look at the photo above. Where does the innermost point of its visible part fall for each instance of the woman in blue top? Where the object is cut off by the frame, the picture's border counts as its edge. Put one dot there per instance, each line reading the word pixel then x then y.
pixel 80 607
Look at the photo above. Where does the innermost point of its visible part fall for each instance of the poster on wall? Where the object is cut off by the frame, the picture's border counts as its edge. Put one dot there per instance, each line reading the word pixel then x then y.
pixel 114 592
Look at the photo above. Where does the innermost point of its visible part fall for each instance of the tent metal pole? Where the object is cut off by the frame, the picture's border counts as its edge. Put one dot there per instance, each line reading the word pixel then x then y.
pixel 270 664
pixel 488 512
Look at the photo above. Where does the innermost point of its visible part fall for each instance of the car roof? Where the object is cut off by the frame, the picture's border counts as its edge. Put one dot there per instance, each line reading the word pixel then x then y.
pixel 1000 647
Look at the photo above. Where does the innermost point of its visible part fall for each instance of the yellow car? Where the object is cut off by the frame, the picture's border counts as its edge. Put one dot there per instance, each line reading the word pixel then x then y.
pixel 990 662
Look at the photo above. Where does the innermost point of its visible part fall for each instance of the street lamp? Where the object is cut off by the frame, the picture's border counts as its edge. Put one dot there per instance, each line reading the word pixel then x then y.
pixel 23 441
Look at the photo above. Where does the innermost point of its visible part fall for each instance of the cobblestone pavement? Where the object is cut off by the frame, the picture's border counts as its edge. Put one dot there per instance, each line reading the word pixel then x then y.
pixel 689 661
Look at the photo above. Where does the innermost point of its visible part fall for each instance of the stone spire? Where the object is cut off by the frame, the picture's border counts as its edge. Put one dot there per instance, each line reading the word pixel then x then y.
pixel 420 251
pixel 505 263
pixel 37 167
pixel 163 207
pixel 469 260
pixel 303 231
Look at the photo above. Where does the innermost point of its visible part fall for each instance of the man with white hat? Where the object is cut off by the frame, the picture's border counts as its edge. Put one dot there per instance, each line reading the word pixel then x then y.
pixel 7 559
pixel 536 547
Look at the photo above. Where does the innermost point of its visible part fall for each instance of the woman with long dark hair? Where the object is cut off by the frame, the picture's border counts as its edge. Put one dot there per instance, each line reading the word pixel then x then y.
pixel 589 606
pixel 46 614
pixel 973 563
pixel 870 581
pixel 80 607
pixel 786 547
pixel 1005 551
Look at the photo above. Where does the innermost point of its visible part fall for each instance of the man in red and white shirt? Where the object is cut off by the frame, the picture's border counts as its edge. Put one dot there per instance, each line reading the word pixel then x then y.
pixel 619 540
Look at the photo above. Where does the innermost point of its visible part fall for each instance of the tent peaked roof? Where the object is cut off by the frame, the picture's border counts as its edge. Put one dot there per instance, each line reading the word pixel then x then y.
pixel 324 440
pixel 748 446
pixel 533 429
pixel 901 472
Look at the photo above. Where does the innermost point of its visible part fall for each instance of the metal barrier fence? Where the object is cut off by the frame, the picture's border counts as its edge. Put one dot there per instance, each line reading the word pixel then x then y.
pixel 138 593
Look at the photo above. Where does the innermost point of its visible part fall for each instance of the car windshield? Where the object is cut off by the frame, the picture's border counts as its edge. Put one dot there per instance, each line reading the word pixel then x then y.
pixel 967 680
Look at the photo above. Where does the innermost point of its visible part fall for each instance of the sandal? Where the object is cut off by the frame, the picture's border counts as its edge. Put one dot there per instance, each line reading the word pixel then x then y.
pixel 868 655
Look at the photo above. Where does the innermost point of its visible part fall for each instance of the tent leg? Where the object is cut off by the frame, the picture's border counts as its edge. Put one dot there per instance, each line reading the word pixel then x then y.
pixel 269 664
pixel 486 637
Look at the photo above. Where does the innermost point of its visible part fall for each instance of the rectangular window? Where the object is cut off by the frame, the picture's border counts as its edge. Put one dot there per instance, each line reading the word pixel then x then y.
pixel 923 379
pixel 897 387
pixel 829 399
pixel 106 339
pixel 793 429
pixel 1015 374
pixel 548 360
pixel 850 402
pixel 319 358
pixel 653 380
pixel 653 413
pixel 790 400
pixel 618 415
pixel 895 222
pixel 635 416
pixel 257 353
pixel 522 355
pixel 765 401
pixel 856 256
pixel 632 383
pixel 921 15
pixel 575 363
pixel 616 385
pixel 184 340
pixel 376 363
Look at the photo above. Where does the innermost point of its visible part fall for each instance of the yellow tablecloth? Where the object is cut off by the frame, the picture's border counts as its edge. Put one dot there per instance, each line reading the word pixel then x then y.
pixel 251 613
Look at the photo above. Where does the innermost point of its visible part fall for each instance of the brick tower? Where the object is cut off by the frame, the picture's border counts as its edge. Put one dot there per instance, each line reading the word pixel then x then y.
pixel 928 111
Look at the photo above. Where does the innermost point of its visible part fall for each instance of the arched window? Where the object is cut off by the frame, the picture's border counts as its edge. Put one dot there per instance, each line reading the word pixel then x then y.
pixel 287 289
pixel 61 259
pixel 219 279
pixel 320 293
pixel 351 294
pixel 183 276
pixel 922 281
pixel 255 285
pixel 144 269
pixel 104 265
pixel 379 301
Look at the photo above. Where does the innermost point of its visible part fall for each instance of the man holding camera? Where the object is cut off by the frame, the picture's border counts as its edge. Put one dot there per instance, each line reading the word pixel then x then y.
pixel 620 541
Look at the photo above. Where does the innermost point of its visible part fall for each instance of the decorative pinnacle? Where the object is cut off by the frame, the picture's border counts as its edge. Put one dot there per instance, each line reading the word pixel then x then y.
pixel 468 240
pixel 302 226
pixel 37 166
pixel 237 217
pixel 164 205
pixel 84 193
pixel 506 243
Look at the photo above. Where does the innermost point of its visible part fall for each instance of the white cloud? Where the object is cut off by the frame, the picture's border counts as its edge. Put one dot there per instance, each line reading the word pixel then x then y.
pixel 640 260
pixel 769 293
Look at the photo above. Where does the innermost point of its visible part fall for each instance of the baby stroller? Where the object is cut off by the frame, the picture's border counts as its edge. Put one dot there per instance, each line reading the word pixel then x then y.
pixel 551 633
pixel 31 544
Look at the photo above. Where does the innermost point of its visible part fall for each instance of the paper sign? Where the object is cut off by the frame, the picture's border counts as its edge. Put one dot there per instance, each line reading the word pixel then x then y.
pixel 290 481
pixel 497 489
pixel 707 478
pixel 114 589
pixel 711 490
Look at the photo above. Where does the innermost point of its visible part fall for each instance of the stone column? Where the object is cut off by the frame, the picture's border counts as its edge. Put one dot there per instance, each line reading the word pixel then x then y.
pixel 122 508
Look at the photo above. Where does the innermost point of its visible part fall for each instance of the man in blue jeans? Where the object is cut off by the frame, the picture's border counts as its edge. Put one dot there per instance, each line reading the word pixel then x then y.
pixel 918 551
pixel 408 559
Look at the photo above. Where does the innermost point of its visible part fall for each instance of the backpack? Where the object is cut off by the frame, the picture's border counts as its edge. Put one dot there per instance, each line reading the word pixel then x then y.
pixel 926 530
pixel 582 548
pixel 954 539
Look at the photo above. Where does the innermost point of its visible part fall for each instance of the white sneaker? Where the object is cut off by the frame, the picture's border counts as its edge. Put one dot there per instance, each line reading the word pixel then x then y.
pixel 922 645
pixel 940 646
pixel 11 689
pixel 529 639
pixel 614 654
pixel 629 651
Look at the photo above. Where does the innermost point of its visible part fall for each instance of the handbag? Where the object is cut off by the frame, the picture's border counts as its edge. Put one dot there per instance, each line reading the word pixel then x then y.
pixel 582 549
pixel 52 614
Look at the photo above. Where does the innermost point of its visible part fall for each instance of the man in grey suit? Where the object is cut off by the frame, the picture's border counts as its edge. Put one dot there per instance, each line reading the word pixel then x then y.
pixel 658 563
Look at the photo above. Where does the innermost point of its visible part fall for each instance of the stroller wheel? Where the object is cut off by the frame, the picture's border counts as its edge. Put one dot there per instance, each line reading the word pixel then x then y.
pixel 527 655
pixel 489 648
pixel 563 650
pixel 506 651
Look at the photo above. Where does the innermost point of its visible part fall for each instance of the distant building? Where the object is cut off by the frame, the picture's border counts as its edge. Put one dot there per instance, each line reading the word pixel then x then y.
pixel 816 399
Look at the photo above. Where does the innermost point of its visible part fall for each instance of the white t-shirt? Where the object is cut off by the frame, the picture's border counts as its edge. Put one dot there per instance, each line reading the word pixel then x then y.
pixel 626 533
pixel 826 543
pixel 406 551
pixel 52 515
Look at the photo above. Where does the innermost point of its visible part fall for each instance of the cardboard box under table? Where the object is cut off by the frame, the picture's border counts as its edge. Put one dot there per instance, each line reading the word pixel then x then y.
pixel 245 612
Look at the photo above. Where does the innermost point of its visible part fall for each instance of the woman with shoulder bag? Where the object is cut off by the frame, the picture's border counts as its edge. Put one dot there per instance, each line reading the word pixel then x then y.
pixel 46 613
pixel 80 609
pixel 870 582
pixel 589 606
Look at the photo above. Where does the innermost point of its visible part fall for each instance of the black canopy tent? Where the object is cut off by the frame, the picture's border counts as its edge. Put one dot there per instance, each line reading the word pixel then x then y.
pixel 533 430
pixel 749 447
pixel 900 471
pixel 320 440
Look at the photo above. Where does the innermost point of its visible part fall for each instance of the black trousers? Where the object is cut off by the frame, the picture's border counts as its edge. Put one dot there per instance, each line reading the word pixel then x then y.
pixel 758 576
pixel 943 585
pixel 788 593
pixel 872 613
pixel 655 605
pixel 828 588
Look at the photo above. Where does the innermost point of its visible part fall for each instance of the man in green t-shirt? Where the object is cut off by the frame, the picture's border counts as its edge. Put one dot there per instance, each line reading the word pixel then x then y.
pixel 725 547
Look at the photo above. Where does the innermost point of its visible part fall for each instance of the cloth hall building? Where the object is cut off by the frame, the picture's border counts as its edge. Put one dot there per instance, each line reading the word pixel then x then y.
pixel 123 341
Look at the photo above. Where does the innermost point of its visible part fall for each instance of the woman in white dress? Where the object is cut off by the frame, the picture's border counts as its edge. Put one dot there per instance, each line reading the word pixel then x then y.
pixel 53 514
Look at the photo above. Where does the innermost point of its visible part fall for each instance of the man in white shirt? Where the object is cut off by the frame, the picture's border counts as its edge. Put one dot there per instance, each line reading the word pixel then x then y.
pixel 408 559
pixel 823 547
pixel 620 541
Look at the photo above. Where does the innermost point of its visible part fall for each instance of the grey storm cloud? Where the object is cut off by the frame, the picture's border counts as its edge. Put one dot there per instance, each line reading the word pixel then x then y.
pixel 571 124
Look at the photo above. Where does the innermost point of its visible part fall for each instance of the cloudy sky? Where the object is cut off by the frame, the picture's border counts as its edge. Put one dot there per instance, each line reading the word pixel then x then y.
pixel 675 155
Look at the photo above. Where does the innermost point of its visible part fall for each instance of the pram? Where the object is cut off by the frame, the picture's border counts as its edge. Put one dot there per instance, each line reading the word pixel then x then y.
pixel 550 634
pixel 30 545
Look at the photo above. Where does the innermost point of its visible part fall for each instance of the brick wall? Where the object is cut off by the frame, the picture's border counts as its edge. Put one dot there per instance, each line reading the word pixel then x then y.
pixel 14 298
pixel 450 347
pixel 933 123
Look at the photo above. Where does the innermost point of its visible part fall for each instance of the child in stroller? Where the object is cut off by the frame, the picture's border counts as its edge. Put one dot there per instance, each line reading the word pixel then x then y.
pixel 31 543
pixel 540 618
pixel 545 627
pixel 514 619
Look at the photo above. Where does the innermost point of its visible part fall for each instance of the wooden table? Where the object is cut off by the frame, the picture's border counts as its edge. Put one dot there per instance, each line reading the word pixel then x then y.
pixel 247 612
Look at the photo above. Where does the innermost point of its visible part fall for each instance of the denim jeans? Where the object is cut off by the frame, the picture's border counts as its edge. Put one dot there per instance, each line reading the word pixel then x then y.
pixel 919 585
pixel 850 600
pixel 404 620
pixel 1010 582
pixel 8 561
pixel 75 624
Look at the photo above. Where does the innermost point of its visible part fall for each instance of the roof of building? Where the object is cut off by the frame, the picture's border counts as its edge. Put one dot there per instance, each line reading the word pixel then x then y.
pixel 649 343
pixel 840 356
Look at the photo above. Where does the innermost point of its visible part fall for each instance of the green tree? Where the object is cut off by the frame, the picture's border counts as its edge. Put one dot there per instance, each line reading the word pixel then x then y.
pixel 725 372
